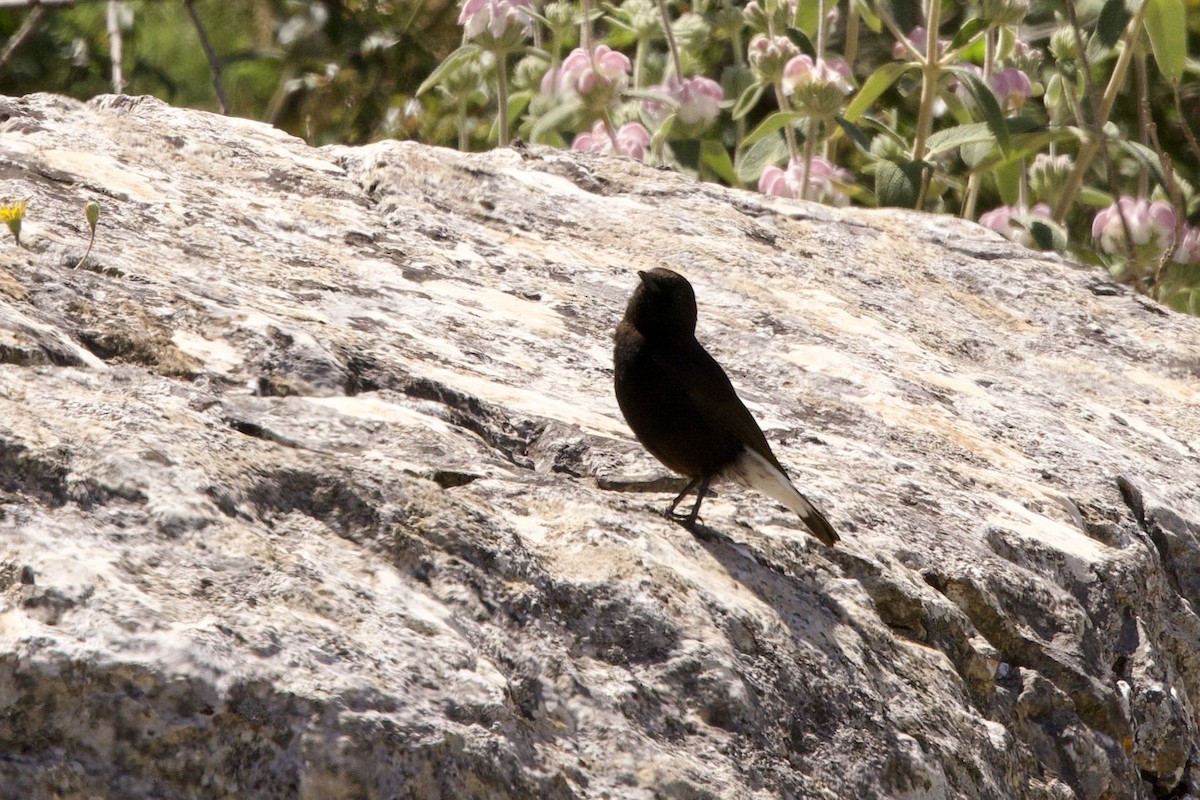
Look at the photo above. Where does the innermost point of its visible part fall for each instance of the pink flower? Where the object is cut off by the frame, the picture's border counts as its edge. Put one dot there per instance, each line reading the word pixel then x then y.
pixel 801 72
pixel 821 177
pixel 1188 251
pixel 1152 225
pixel 1001 221
pixel 919 39
pixel 633 140
pixel 1012 88
pixel 698 100
pixel 494 16
pixel 605 69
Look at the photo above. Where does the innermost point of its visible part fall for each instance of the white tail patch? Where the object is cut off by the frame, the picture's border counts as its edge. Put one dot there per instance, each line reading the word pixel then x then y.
pixel 755 472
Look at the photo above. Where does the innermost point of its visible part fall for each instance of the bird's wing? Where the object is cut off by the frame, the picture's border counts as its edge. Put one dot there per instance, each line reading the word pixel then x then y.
pixel 699 375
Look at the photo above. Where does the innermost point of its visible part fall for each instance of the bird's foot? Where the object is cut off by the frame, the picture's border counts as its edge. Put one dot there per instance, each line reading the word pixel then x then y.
pixel 686 520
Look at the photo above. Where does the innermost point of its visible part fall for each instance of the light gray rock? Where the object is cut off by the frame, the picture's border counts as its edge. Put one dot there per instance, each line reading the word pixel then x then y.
pixel 312 484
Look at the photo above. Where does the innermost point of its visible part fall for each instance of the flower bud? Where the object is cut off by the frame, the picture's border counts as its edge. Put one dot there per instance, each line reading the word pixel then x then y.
pixel 1048 175
pixel 496 24
pixel 1063 45
pixel 1004 12
pixel 769 54
pixel 823 179
pixel 817 88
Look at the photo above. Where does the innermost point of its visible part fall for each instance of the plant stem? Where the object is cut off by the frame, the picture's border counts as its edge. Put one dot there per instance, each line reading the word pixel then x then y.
pixel 671 45
pixel 931 70
pixel 502 96
pixel 1095 141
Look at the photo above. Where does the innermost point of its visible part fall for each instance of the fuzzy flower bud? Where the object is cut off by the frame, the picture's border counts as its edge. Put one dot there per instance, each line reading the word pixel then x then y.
pixel 1004 12
pixel 632 139
pixel 1063 45
pixel 691 32
pixel 1152 226
pixel 697 100
pixel 1004 221
pixel 496 22
pixel 597 78
pixel 816 87
pixel 821 181
pixel 1048 174
pixel 769 55
pixel 755 15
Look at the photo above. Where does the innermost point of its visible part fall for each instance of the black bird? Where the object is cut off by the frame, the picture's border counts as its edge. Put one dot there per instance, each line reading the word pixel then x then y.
pixel 682 407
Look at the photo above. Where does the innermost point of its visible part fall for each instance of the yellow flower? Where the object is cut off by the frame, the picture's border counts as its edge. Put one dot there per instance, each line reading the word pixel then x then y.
pixel 12 214
pixel 12 211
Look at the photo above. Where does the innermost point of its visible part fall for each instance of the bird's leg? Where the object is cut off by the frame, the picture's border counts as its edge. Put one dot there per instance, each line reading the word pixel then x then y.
pixel 689 521
pixel 671 508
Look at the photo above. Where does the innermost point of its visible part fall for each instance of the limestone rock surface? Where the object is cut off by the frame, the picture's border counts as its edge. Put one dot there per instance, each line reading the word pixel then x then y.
pixel 312 484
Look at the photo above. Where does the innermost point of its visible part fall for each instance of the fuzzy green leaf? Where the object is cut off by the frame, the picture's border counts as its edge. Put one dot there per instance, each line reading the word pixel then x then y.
pixel 1008 181
pixel 763 153
pixel 986 102
pixel 877 84
pixel 770 125
pixel 555 118
pixel 748 100
pixel 855 133
pixel 967 32
pixel 452 62
pixel 714 156
pixel 1166 25
pixel 898 185
pixel 1144 156
pixel 1111 24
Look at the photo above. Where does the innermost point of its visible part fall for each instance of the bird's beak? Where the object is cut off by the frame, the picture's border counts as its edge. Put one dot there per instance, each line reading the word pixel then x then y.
pixel 645 276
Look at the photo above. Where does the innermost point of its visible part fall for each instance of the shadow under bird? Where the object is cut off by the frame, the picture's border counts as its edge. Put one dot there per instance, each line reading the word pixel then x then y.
pixel 681 406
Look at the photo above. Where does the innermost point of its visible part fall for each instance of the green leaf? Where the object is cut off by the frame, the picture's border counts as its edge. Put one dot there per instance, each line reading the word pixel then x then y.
pixel 868 15
pixel 1096 198
pixel 770 125
pixel 898 185
pixel 801 40
pixel 986 102
pixel 967 32
pixel 555 118
pixel 659 139
pixel 907 14
pixel 1144 156
pixel 763 153
pixel 517 103
pixel 1023 146
pixel 1008 181
pixel 748 100
pixel 877 84
pixel 1166 25
pixel 1111 24
pixel 855 133
pixel 959 135
pixel 975 132
pixel 1181 288
pixel 714 156
pixel 881 126
pixel 805 18
pixel 453 61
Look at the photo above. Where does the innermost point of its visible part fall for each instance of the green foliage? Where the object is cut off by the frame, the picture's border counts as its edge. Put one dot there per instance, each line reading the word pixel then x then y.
pixel 961 134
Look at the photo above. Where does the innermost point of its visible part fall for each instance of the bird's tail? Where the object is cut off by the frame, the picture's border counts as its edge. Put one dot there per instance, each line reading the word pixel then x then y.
pixel 752 470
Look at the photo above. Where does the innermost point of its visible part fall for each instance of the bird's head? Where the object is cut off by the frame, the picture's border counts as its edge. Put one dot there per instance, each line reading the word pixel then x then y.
pixel 663 305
